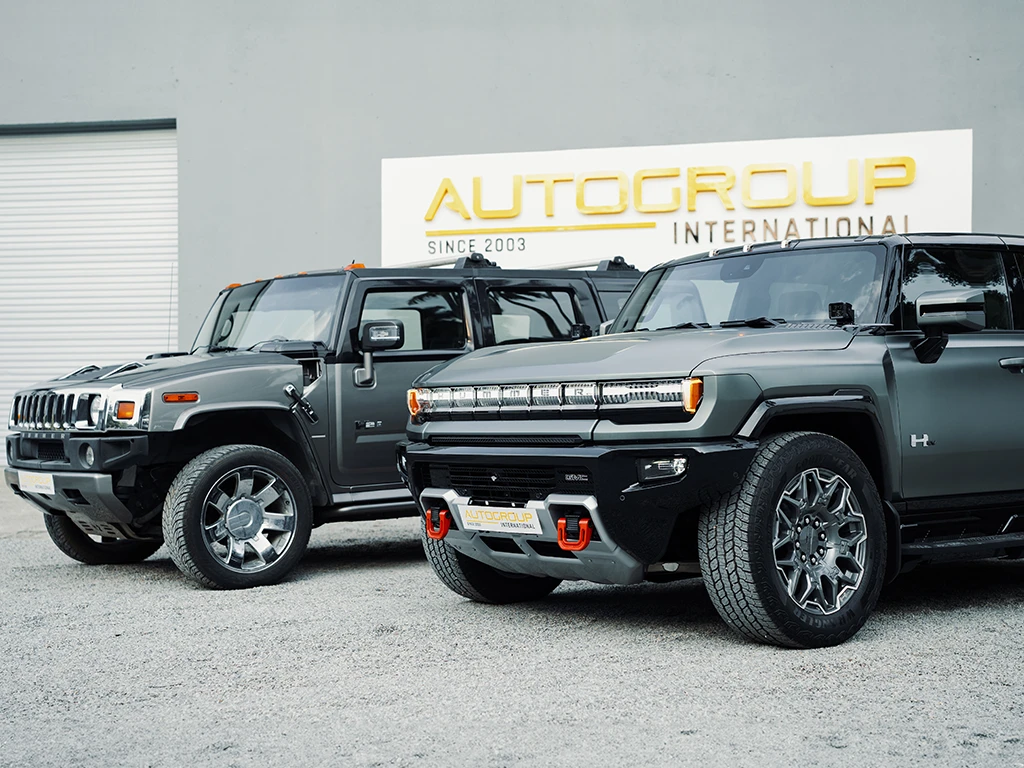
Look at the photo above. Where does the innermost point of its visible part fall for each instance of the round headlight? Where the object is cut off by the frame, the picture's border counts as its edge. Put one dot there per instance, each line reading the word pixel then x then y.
pixel 95 410
pixel 88 456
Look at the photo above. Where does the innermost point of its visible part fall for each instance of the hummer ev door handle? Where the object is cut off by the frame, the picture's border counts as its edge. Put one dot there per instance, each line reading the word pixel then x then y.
pixel 1013 364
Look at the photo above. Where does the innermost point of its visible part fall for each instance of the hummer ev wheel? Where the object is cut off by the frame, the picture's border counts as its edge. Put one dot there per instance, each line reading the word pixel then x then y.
pixel 77 544
pixel 795 556
pixel 237 516
pixel 478 581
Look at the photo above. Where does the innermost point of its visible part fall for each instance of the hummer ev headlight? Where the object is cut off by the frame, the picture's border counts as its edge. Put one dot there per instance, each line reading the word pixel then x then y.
pixel 575 396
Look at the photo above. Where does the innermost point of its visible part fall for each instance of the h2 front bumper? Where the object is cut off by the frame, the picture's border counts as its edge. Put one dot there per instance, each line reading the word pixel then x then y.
pixel 633 522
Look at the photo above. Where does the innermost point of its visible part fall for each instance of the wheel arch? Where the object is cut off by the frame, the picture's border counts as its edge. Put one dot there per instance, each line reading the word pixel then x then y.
pixel 851 419
pixel 272 428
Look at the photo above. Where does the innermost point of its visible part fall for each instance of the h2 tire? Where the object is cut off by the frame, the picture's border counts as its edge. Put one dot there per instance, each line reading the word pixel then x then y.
pixel 795 555
pixel 237 516
pixel 479 581
pixel 76 544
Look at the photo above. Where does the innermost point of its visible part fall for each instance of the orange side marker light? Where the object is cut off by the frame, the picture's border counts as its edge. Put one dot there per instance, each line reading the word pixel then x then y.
pixel 181 397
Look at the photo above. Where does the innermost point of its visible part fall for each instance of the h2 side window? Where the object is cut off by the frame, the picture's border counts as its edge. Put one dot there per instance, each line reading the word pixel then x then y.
pixel 946 269
pixel 433 319
pixel 1016 270
pixel 520 315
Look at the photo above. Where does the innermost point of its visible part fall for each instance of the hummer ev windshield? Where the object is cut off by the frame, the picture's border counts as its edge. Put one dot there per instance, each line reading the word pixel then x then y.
pixel 791 286
pixel 288 309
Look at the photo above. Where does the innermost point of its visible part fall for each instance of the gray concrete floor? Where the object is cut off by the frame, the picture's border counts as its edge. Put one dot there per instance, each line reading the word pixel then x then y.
pixel 363 658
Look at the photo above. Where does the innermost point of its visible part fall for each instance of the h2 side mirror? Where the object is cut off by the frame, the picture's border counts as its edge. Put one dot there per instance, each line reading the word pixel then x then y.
pixel 377 336
pixel 940 313
pixel 580 331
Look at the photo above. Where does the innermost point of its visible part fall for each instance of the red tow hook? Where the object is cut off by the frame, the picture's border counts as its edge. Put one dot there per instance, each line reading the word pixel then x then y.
pixel 443 524
pixel 580 543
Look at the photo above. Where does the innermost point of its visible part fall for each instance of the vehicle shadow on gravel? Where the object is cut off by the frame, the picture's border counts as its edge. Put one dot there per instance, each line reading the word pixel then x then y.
pixel 324 559
pixel 684 606
pixel 951 586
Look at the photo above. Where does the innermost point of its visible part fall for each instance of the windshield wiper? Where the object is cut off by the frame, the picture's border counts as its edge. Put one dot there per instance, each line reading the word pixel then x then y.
pixel 219 348
pixel 680 326
pixel 753 322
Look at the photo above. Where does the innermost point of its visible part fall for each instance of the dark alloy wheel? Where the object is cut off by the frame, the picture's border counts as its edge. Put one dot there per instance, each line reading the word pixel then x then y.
pixel 795 556
pixel 479 581
pixel 237 516
pixel 95 550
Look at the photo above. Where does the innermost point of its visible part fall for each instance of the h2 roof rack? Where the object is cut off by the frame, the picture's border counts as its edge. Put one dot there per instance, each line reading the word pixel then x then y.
pixel 616 263
pixel 475 261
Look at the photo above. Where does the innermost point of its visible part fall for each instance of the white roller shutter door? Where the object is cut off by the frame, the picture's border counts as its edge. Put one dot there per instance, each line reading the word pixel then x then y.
pixel 88 252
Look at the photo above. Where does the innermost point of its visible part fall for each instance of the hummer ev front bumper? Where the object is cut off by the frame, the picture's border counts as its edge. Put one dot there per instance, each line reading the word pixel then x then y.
pixel 591 494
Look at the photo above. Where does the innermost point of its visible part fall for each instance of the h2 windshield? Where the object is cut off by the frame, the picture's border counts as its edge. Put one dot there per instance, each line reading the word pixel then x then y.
pixel 289 309
pixel 793 285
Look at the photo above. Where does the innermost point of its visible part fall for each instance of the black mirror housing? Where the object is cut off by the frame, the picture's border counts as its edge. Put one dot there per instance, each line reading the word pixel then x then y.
pixel 378 335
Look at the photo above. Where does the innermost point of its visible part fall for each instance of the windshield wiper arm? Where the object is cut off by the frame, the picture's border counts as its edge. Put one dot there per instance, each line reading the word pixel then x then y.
pixel 753 322
pixel 219 348
pixel 680 326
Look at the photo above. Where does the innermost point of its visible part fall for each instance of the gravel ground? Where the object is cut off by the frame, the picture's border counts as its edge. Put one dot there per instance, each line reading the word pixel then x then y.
pixel 364 658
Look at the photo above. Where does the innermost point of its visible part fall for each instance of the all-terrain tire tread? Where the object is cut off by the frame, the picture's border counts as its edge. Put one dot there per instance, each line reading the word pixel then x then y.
pixel 178 496
pixel 725 558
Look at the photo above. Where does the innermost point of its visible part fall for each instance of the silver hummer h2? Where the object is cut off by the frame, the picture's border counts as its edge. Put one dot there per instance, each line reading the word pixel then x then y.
pixel 285 414
pixel 795 422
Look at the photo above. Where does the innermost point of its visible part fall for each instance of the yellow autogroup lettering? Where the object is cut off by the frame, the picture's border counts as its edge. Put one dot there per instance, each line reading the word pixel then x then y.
pixel 718 179
pixel 873 182
pixel 694 185
pixel 776 202
pixel 444 191
pixel 853 180
pixel 498 213
pixel 638 190
pixel 590 210
pixel 549 180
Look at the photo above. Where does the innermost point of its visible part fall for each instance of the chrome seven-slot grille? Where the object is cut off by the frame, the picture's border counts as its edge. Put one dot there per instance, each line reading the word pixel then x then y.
pixel 507 484
pixel 47 410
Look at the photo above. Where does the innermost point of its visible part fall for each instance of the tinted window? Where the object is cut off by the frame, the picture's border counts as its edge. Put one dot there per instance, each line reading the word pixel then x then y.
pixel 520 315
pixel 1017 289
pixel 945 269
pixel 432 319
pixel 612 302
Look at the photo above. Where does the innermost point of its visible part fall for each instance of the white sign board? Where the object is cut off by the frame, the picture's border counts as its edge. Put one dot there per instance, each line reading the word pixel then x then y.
pixel 651 204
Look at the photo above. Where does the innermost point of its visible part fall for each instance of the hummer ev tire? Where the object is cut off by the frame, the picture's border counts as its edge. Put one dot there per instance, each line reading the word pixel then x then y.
pixel 479 581
pixel 795 555
pixel 77 544
pixel 237 516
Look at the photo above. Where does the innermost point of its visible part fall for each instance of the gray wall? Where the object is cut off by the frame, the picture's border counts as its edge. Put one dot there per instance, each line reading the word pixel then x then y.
pixel 284 110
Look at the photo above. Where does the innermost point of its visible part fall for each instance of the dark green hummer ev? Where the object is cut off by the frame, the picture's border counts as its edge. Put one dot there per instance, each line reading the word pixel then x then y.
pixel 796 422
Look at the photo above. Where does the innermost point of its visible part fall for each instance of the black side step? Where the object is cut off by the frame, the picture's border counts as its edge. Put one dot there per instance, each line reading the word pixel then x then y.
pixel 967 549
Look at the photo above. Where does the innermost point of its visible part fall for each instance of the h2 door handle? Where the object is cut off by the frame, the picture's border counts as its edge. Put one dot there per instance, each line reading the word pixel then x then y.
pixel 1013 364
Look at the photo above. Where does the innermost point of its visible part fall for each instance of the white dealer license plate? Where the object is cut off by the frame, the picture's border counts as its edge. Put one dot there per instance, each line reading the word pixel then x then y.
pixel 35 482
pixel 500 519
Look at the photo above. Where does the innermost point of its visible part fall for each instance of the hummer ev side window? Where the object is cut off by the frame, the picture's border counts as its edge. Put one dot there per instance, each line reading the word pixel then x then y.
pixel 943 269
pixel 1017 288
pixel 523 314
pixel 433 319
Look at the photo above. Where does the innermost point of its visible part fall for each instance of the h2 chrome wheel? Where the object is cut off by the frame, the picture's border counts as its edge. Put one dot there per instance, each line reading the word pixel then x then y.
pixel 820 541
pixel 237 516
pixel 248 519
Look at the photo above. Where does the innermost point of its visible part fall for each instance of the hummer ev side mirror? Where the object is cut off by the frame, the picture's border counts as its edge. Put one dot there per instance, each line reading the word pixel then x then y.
pixel 940 313
pixel 602 329
pixel 376 336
